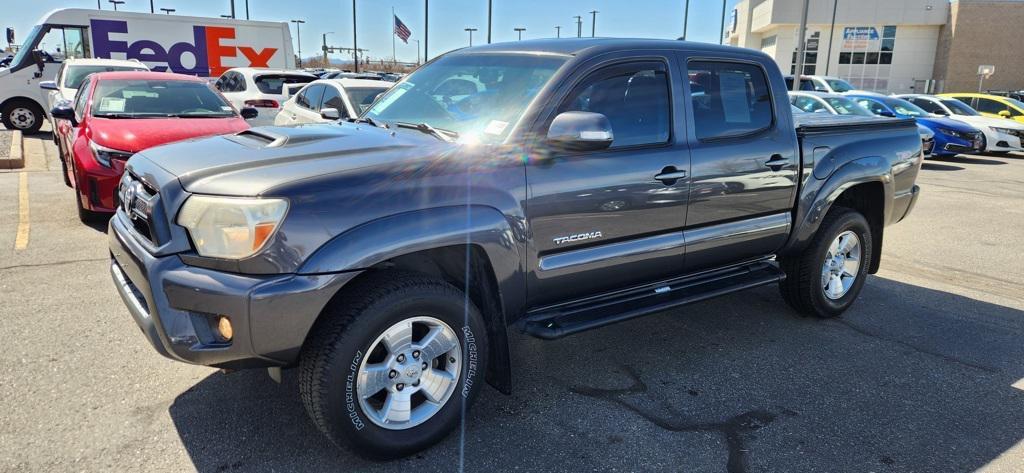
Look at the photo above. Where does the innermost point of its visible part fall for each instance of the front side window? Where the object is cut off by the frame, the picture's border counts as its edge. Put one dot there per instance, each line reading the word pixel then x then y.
pixel 989 106
pixel 736 99
pixel 81 100
pixel 634 98
pixel 839 85
pixel 927 105
pixel 958 107
pixel 808 104
pixel 332 99
pixel 309 98
pixel 906 108
pixel 157 98
pixel 845 106
pixel 479 95
pixel 872 106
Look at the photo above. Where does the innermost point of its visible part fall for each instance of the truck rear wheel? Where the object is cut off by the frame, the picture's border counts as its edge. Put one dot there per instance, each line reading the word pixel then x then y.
pixel 826 278
pixel 23 115
pixel 393 365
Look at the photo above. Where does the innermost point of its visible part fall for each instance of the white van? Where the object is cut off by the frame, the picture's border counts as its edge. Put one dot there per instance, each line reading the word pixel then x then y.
pixel 183 44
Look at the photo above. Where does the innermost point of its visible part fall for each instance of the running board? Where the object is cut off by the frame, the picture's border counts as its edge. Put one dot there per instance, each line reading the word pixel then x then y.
pixel 559 321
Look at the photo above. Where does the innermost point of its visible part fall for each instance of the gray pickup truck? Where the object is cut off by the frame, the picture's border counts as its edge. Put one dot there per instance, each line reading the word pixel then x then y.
pixel 547 186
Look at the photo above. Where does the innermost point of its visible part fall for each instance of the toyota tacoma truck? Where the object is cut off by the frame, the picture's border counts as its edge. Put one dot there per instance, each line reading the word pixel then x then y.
pixel 548 186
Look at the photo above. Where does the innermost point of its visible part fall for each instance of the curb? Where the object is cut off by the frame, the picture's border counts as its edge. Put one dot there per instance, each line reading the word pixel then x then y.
pixel 16 160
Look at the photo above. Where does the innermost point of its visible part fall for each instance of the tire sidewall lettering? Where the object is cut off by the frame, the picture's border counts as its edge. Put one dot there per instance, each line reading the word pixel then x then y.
pixel 472 360
pixel 351 409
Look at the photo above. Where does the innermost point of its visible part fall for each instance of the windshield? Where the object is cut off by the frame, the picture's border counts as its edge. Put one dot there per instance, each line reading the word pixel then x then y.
pixel 123 98
pixel 75 75
pixel 839 85
pixel 845 106
pixel 1015 103
pixel 958 107
pixel 274 83
pixel 902 107
pixel 26 49
pixel 479 95
pixel 362 97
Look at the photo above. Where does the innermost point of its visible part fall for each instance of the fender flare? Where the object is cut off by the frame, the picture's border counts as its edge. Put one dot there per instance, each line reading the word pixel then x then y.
pixel 813 208
pixel 482 226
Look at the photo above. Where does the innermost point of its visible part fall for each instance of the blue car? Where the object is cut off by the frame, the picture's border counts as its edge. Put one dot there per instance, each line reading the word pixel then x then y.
pixel 952 137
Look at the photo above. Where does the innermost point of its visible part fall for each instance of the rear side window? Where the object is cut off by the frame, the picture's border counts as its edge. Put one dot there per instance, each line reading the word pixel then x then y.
pixel 807 104
pixel 274 83
pixel 635 98
pixel 872 106
pixel 734 99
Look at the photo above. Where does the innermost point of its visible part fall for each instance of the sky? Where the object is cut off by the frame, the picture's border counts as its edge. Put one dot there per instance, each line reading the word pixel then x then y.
pixel 448 19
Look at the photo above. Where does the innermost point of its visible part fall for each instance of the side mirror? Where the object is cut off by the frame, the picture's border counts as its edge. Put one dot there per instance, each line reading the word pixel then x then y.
pixel 330 113
pixel 580 131
pixel 63 111
pixel 1004 113
pixel 249 113
pixel 886 113
pixel 48 85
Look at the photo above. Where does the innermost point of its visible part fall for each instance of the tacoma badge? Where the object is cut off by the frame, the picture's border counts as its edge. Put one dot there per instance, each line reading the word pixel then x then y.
pixel 577 237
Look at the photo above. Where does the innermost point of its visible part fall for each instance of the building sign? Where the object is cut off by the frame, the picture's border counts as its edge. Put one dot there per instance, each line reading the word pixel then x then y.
pixel 861 38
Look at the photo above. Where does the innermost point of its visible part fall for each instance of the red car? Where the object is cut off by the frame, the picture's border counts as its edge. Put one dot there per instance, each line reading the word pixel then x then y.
pixel 117 114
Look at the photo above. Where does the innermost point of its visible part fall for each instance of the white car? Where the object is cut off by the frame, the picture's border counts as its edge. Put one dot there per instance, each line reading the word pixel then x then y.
pixel 1001 135
pixel 74 71
pixel 330 99
pixel 828 84
pixel 822 102
pixel 260 88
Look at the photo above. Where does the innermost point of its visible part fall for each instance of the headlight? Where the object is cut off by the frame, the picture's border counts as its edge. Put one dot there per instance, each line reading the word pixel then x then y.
pixel 959 134
pixel 103 154
pixel 1009 131
pixel 231 227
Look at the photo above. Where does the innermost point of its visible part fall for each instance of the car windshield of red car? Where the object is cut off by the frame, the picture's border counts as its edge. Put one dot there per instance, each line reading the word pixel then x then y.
pixel 124 98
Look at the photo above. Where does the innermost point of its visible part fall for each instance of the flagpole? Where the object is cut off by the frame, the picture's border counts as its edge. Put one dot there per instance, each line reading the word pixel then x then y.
pixel 393 23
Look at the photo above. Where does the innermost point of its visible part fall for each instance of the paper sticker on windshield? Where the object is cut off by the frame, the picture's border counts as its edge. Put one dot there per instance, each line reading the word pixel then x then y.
pixel 395 94
pixel 226 108
pixel 495 127
pixel 111 104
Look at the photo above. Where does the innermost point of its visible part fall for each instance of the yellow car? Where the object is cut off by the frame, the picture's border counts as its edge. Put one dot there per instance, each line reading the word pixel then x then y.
pixel 992 105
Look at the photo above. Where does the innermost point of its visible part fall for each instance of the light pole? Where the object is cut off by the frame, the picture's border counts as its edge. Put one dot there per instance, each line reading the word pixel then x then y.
pixel 417 51
pixel 831 33
pixel 116 3
pixel 151 6
pixel 246 9
pixel 798 71
pixel 355 37
pixel 489 10
pixel 721 34
pixel 593 22
pixel 98 6
pixel 520 31
pixel 298 33
pixel 426 30
pixel 686 18
pixel 168 10
pixel 579 26
pixel 471 30
pixel 558 31
pixel 232 8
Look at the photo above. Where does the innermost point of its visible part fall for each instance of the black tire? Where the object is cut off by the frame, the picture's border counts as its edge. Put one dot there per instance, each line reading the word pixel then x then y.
pixel 802 288
pixel 348 327
pixel 27 127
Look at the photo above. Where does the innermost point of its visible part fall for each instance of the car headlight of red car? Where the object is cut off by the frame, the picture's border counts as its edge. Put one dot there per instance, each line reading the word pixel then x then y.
pixel 103 154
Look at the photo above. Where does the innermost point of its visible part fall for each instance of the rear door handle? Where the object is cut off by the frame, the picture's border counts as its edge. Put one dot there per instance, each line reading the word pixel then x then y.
pixel 670 175
pixel 776 162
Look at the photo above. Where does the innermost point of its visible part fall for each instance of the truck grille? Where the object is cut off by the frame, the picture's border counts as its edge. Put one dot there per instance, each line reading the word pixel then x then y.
pixel 137 200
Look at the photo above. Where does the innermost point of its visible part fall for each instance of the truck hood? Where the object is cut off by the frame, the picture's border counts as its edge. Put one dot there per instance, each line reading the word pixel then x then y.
pixel 254 161
pixel 134 135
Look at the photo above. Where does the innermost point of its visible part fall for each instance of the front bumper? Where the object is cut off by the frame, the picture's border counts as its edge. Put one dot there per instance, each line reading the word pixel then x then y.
pixel 176 306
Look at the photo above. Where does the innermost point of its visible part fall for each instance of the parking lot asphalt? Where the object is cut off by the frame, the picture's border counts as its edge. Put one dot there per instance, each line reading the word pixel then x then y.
pixel 925 372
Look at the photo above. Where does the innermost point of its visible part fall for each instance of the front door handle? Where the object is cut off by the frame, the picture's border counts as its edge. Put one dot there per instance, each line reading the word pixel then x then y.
pixel 776 162
pixel 670 175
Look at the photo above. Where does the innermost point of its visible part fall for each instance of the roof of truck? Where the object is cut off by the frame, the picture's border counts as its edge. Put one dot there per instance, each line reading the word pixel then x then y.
pixel 577 46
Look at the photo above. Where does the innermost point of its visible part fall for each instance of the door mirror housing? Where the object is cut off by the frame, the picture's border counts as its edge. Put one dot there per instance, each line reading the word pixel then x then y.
pixel 330 113
pixel 1004 113
pixel 249 113
pixel 63 111
pixel 580 131
pixel 48 85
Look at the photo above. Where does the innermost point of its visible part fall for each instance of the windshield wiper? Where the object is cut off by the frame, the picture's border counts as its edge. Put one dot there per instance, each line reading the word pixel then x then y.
pixel 443 135
pixel 368 120
pixel 130 115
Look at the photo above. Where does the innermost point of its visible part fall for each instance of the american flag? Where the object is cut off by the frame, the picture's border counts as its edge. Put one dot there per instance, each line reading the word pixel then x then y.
pixel 402 31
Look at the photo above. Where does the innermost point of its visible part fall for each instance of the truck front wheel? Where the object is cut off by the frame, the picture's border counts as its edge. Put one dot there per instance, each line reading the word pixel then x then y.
pixel 827 276
pixel 23 115
pixel 392 367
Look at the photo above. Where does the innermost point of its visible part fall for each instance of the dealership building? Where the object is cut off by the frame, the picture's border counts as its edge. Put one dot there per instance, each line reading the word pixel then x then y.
pixel 891 46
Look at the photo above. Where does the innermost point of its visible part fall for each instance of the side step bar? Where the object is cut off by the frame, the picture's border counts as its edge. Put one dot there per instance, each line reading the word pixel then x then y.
pixel 571 318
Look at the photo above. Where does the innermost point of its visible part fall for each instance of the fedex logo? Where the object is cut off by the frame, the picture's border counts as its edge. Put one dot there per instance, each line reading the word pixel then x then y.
pixel 207 47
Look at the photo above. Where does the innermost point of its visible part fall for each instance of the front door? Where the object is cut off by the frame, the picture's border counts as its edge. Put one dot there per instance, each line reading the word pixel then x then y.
pixel 600 220
pixel 744 164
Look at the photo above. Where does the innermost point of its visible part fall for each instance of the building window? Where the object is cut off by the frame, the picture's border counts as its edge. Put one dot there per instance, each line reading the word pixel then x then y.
pixel 865 55
pixel 768 42
pixel 810 55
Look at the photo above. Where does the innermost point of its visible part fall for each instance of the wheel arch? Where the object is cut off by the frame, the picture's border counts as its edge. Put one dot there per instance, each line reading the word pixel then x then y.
pixel 472 247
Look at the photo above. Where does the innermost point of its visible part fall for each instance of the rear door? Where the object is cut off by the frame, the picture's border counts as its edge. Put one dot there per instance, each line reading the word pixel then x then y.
pixel 744 162
pixel 600 220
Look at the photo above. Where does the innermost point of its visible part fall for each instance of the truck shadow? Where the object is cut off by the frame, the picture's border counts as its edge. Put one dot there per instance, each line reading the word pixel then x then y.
pixel 910 379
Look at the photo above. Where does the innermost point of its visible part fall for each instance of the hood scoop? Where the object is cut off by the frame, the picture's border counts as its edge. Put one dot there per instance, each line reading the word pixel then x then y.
pixel 271 137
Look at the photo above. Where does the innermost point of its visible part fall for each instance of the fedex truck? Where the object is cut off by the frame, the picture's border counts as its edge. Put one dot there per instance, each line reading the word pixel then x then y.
pixel 188 45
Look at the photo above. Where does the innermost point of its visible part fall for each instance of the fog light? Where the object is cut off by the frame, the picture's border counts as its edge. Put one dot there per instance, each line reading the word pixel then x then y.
pixel 224 327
